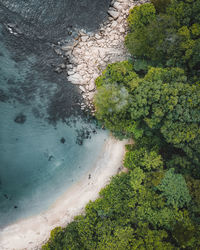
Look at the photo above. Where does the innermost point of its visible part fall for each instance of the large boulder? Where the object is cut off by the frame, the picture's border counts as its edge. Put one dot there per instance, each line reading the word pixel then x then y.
pixel 75 78
pixel 114 14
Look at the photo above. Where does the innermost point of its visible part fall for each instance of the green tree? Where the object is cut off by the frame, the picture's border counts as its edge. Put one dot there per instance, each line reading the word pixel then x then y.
pixel 170 108
pixel 161 5
pixel 161 104
pixel 156 205
pixel 119 73
pixel 146 160
pixel 111 105
pixel 141 16
pixel 174 189
pixel 169 38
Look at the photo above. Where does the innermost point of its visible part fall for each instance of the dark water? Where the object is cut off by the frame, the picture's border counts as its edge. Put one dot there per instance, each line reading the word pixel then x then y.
pixel 40 116
pixel 50 19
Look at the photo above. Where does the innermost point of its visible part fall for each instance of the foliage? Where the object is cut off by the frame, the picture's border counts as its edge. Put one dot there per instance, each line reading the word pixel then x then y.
pixel 131 214
pixel 171 37
pixel 194 187
pixel 160 104
pixel 140 16
pixel 137 177
pixel 147 160
pixel 113 98
pixel 174 189
pixel 141 66
pixel 185 235
pixel 110 222
pixel 183 165
pixel 155 100
pixel 147 43
pixel 120 73
pixel 161 5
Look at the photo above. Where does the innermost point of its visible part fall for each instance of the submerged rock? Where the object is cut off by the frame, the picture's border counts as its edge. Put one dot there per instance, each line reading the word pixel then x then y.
pixel 62 140
pixel 6 196
pixel 58 70
pixel 50 157
pixel 3 96
pixel 20 118
pixel 79 141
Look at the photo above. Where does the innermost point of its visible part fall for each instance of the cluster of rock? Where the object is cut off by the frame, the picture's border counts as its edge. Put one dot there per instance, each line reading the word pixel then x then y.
pixel 92 52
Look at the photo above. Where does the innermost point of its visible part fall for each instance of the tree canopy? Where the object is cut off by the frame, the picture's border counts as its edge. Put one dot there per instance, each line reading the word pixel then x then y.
pixel 154 99
pixel 160 104
pixel 167 33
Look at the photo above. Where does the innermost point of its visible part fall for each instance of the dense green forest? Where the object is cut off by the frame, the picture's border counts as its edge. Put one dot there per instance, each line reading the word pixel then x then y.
pixel 153 98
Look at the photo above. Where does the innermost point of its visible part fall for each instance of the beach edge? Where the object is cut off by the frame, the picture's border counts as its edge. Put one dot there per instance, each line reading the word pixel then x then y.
pixel 33 232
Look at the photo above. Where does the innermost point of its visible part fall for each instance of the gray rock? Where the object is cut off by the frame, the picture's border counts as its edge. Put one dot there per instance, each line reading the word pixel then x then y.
pixel 62 66
pixel 70 72
pixel 97 36
pixel 84 38
pixel 69 66
pixel 58 52
pixel 58 70
pixel 117 6
pixel 121 30
pixel 82 89
pixel 113 14
pixel 66 47
pixel 75 78
pixel 91 96
pixel 114 24
pixel 91 86
pixel 68 53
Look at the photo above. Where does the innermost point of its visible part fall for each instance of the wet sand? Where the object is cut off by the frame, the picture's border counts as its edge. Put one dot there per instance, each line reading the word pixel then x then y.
pixel 33 232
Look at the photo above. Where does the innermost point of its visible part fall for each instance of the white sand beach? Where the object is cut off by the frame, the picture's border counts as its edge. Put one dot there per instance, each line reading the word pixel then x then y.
pixel 33 232
pixel 91 52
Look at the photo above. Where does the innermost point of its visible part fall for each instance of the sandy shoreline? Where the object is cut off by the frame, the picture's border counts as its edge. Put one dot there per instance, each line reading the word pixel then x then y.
pixel 91 54
pixel 34 231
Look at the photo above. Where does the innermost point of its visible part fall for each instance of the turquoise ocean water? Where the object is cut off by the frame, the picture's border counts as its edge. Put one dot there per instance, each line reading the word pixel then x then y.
pixel 40 118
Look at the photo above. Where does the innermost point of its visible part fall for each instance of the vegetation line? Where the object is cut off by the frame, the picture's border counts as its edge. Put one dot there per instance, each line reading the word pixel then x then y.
pixel 153 98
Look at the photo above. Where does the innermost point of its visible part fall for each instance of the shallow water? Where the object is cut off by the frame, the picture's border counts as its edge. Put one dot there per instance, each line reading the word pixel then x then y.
pixel 40 116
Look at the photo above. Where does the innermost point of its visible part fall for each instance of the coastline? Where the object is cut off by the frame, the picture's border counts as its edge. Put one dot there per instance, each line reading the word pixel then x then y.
pixel 88 56
pixel 90 53
pixel 33 232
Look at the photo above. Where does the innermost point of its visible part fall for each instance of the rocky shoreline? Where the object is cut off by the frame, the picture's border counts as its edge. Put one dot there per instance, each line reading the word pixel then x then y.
pixel 90 53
